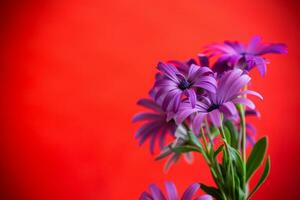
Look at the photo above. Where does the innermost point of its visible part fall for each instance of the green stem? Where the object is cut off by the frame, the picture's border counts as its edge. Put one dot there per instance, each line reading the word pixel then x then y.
pixel 213 165
pixel 241 110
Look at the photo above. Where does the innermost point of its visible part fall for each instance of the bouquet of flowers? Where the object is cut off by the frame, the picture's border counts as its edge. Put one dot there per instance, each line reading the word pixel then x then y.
pixel 203 107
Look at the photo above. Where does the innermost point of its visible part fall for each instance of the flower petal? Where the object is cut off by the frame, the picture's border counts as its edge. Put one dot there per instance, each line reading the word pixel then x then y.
pixel 145 116
pixel 171 191
pixel 204 197
pixel 145 196
pixel 197 122
pixel 244 101
pixel 215 117
pixel 169 70
pixel 228 109
pixel 156 192
pixel 189 193
pixel 252 93
pixel 149 103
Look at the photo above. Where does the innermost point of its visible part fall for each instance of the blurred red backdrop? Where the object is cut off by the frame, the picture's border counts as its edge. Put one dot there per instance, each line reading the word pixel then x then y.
pixel 71 72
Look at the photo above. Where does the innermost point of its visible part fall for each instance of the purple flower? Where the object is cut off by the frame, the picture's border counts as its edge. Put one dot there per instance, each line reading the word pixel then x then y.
pixel 172 85
pixel 234 54
pixel 172 194
pixel 156 126
pixel 227 95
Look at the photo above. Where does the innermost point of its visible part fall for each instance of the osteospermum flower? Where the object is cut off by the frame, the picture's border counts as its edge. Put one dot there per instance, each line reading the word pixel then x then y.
pixel 172 85
pixel 234 54
pixel 156 126
pixel 228 94
pixel 172 194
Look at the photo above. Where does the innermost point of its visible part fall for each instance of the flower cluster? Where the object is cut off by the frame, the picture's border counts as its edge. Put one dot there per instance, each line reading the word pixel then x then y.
pixel 197 103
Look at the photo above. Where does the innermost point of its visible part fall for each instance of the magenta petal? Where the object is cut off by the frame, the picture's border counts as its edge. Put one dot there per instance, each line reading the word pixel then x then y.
pixel 215 117
pixel 253 44
pixel 228 109
pixel 145 196
pixel 244 101
pixel 189 193
pixel 156 193
pixel 149 104
pixel 197 122
pixel 261 65
pixel 145 116
pixel 171 191
pixel 192 97
pixel 204 197
pixel 252 93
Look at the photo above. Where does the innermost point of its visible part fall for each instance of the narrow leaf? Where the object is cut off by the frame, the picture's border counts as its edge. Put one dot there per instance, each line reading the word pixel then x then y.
pixel 256 157
pixel 233 133
pixel 211 191
pixel 262 178
pixel 194 139
pixel 219 150
pixel 183 149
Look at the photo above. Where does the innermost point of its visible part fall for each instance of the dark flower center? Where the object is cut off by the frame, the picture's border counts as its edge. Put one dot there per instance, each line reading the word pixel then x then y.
pixel 184 84
pixel 213 107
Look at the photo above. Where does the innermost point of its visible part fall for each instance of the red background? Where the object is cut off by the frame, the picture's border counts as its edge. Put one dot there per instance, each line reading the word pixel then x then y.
pixel 71 72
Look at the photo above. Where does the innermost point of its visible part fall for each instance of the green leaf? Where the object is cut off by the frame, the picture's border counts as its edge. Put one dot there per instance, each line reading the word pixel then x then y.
pixel 227 135
pixel 262 178
pixel 211 191
pixel 194 139
pixel 214 131
pixel 256 157
pixel 233 133
pixel 218 150
pixel 183 149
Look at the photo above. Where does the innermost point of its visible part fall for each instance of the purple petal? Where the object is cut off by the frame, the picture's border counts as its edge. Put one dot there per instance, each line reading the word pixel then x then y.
pixel 171 191
pixel 208 83
pixel 225 82
pixel 189 193
pixel 253 44
pixel 145 196
pixel 170 98
pixel 156 193
pixel 273 48
pixel 152 142
pixel 228 109
pixel 183 113
pixel 169 70
pixel 204 62
pixel 244 101
pixel 252 93
pixel 162 138
pixel 145 128
pixel 215 117
pixel 193 71
pixel 251 128
pixel 252 113
pixel 192 97
pixel 197 122
pixel 204 197
pixel 236 86
pixel 261 65
pixel 145 116
pixel 149 104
